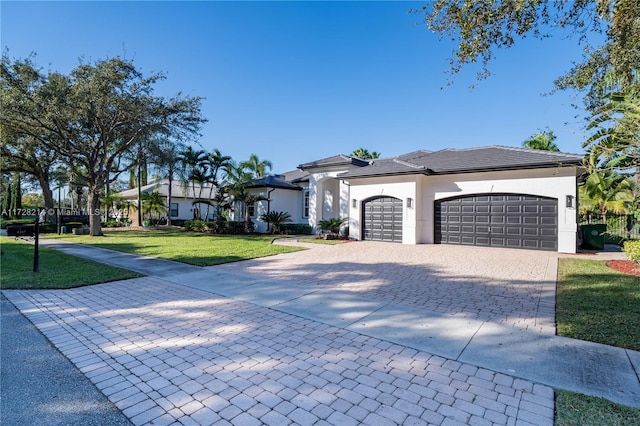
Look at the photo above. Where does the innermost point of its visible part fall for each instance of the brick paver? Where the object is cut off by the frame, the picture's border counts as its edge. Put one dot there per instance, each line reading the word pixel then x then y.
pixel 166 353
pixel 504 286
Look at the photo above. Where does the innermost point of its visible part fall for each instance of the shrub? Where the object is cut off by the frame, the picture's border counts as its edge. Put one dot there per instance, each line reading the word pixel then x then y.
pixel 276 219
pixel 235 228
pixel 48 228
pixel 332 225
pixel 297 228
pixel 6 222
pixel 69 227
pixel 632 248
pixel 112 223
pixel 196 225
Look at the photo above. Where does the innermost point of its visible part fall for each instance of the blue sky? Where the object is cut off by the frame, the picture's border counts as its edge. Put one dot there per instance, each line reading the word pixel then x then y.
pixel 299 81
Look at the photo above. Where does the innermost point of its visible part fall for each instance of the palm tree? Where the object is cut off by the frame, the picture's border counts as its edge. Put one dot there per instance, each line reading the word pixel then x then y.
pixel 239 178
pixel 332 225
pixel 153 202
pixel 257 167
pixel 167 161
pixel 192 161
pixel 543 141
pixel 365 154
pixel 606 191
pixel 217 163
pixel 616 141
pixel 276 220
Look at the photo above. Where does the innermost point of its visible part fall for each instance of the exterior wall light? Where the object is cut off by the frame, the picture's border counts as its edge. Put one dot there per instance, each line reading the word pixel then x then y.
pixel 571 201
pixel 354 203
pixel 409 202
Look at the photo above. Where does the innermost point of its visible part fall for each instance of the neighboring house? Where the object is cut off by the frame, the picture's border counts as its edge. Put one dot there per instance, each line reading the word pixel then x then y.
pixel 490 196
pixel 182 207
pixel 288 192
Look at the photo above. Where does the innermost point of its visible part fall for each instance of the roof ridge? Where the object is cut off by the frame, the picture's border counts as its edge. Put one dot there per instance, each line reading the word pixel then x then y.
pixel 408 164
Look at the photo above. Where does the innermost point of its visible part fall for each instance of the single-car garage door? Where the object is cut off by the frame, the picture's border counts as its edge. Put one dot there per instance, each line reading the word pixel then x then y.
pixel 498 220
pixel 382 219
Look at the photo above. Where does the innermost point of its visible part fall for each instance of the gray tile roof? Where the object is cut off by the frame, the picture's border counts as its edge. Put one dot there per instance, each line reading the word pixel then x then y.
pixel 448 161
pixel 296 176
pixel 272 181
pixel 336 160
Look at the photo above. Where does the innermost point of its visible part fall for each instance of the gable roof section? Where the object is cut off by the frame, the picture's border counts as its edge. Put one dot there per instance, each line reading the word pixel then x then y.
pixel 449 161
pixel 336 160
pixel 296 176
pixel 273 181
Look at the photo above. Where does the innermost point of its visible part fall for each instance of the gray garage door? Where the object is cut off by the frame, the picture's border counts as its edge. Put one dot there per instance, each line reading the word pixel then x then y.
pixel 382 219
pixel 498 220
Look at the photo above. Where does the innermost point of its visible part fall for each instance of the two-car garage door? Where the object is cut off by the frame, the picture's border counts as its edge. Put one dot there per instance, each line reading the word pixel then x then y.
pixel 498 220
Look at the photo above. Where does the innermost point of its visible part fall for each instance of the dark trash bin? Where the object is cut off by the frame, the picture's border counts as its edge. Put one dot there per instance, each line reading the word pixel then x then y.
pixel 593 236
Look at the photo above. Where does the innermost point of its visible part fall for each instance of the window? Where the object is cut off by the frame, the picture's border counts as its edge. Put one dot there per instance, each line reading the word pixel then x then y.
pixel 173 211
pixel 252 209
pixel 305 205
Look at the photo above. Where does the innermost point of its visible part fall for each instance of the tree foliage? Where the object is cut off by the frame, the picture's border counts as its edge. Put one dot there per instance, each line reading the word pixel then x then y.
pixel 364 154
pixel 93 116
pixel 615 141
pixel 543 141
pixel 479 27
pixel 606 191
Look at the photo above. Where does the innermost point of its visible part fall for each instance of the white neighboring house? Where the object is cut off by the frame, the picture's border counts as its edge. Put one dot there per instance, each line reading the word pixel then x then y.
pixel 492 196
pixel 287 192
pixel 182 207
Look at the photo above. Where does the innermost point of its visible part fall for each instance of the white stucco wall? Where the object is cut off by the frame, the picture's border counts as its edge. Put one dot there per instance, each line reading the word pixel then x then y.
pixel 282 200
pixel 401 187
pixel 418 222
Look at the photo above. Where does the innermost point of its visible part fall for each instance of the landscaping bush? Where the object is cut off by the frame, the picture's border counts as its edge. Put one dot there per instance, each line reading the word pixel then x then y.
pixel 69 227
pixel 632 248
pixel 48 228
pixel 6 222
pixel 235 228
pixel 196 225
pixel 297 228
pixel 112 224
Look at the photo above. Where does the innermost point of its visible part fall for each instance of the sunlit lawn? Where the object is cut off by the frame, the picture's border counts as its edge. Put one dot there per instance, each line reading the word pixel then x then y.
pixel 57 269
pixel 187 247
pixel 597 304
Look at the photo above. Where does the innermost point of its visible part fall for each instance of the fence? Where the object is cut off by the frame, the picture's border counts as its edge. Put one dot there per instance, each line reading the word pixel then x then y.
pixel 619 227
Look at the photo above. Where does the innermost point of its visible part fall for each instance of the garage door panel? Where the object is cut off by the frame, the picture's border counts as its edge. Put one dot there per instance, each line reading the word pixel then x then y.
pixel 382 220
pixel 500 220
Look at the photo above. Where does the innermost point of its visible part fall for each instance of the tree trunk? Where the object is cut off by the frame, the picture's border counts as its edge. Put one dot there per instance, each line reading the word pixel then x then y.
pixel 46 191
pixel 95 229
pixel 170 179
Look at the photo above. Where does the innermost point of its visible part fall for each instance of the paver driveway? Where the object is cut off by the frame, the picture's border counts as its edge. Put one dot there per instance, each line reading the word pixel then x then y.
pixel 167 353
pixel 509 287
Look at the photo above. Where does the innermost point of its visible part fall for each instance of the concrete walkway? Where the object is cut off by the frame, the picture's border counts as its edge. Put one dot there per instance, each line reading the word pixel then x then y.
pixel 250 344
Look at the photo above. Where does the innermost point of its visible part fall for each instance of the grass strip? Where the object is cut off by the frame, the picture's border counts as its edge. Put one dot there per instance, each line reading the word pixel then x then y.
pixel 186 247
pixel 57 270
pixel 578 409
pixel 597 304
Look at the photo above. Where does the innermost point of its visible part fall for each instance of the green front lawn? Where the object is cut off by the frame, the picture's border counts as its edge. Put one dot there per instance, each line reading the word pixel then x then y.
pixel 187 247
pixel 574 409
pixel 57 270
pixel 597 304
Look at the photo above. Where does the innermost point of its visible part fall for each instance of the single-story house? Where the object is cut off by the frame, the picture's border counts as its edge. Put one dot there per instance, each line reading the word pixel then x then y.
pixel 182 207
pixel 494 196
